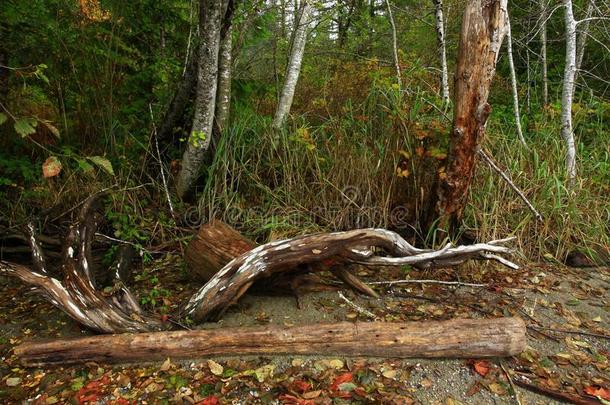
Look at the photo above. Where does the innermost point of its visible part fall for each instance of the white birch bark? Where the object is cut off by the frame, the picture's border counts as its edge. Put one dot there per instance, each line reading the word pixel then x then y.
pixel 394 46
pixel 582 37
pixel 513 79
pixel 294 65
pixel 205 104
pixel 545 80
pixel 223 93
pixel 440 34
pixel 567 95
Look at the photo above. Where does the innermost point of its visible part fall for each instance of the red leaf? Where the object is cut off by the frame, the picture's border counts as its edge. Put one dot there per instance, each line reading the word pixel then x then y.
pixel 343 378
pixel 301 386
pixel 481 367
pixel 211 400
pixel 598 392
pixel 51 167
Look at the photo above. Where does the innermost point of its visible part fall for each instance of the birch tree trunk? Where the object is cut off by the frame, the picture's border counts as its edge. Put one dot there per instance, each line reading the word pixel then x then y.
pixel 545 80
pixel 294 64
pixel 513 79
pixel 211 13
pixel 582 37
pixel 483 30
pixel 225 61
pixel 567 95
pixel 440 34
pixel 394 46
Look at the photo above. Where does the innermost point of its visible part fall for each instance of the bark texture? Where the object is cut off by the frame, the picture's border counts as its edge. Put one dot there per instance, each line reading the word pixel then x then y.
pixel 457 338
pixel 199 140
pixel 293 69
pixel 76 294
pixel 442 49
pixel 545 80
pixel 223 93
pixel 582 37
pixel 394 45
pixel 340 248
pixel 567 95
pixel 215 245
pixel 513 80
pixel 483 29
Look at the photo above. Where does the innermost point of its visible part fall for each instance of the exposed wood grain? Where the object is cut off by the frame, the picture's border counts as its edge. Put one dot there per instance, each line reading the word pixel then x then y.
pixel 457 338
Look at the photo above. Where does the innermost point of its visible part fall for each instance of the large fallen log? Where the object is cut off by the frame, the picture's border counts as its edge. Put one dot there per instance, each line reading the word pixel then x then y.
pixel 457 338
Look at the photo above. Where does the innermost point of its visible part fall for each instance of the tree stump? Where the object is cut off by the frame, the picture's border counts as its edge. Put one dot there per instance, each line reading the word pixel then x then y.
pixel 215 245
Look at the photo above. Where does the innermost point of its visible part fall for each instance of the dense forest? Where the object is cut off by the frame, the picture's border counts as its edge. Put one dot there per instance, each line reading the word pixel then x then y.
pixel 284 144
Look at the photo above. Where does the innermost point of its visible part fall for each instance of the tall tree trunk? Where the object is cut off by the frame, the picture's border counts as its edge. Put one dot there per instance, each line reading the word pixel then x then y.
pixel 483 30
pixel 513 79
pixel 545 79
pixel 567 96
pixel 182 96
pixel 582 37
pixel 440 34
pixel 225 61
pixel 299 39
pixel 394 45
pixel 211 13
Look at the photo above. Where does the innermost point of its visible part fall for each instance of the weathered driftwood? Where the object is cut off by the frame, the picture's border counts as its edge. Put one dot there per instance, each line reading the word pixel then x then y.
pixel 217 243
pixel 457 338
pixel 357 246
pixel 76 293
pixel 119 311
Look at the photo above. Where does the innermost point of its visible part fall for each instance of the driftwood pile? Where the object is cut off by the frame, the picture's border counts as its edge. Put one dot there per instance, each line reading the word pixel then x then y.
pixel 231 265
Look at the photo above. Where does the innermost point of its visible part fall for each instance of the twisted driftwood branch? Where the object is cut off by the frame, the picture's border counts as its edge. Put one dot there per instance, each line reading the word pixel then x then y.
pixel 357 246
pixel 76 294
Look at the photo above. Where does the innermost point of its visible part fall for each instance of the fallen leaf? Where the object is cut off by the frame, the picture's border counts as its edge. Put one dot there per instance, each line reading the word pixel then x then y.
pixel 13 381
pixel 312 394
pixel 166 365
pixel 598 392
pixel 336 363
pixel 343 378
pixel 51 167
pixel 391 374
pixel 215 368
pixel 482 367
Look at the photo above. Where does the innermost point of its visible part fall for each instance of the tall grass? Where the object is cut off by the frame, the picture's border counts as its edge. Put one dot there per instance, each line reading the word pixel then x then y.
pixel 342 173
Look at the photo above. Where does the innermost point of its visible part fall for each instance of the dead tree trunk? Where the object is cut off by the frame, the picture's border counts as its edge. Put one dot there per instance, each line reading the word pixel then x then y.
pixel 483 29
pixel 457 338
pixel 215 245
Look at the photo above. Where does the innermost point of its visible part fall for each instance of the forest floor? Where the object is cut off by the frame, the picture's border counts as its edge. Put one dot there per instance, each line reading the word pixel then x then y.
pixel 567 311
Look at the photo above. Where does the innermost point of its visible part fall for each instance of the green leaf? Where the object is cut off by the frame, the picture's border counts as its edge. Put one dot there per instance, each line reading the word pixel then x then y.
pixel 3 118
pixel 103 163
pixel 26 126
pixel 84 165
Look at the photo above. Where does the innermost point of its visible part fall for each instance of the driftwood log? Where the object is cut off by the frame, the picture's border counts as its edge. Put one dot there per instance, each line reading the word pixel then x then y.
pixel 457 338
pixel 118 311
pixel 217 243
